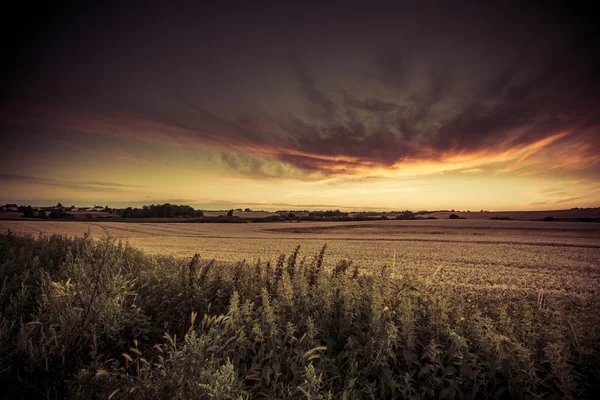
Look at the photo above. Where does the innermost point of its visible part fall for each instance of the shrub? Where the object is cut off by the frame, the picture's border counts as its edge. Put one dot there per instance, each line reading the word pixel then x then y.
pixel 83 318
pixel 28 212
pixel 453 216
pixel 57 214
pixel 549 219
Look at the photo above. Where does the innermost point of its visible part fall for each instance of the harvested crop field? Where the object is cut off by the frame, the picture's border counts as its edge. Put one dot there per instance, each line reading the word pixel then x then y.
pixel 455 309
pixel 562 257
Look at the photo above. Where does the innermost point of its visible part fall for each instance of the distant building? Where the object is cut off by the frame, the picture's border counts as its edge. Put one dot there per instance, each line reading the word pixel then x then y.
pixel 98 208
pixel 59 207
pixel 73 208
pixel 10 207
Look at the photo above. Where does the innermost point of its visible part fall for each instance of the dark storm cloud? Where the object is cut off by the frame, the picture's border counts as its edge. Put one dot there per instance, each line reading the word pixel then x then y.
pixel 241 130
pixel 562 95
pixel 313 93
pixel 351 138
pixel 504 111
pixel 325 90
pixel 371 105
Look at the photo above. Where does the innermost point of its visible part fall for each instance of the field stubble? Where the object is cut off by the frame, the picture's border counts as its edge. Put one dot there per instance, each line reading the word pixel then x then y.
pixel 486 255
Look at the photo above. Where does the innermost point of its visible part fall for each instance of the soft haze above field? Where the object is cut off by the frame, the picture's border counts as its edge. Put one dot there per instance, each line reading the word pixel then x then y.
pixel 273 106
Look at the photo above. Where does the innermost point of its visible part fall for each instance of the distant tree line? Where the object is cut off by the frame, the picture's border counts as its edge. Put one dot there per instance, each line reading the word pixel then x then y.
pixel 406 215
pixel 162 211
pixel 327 214
pixel 29 212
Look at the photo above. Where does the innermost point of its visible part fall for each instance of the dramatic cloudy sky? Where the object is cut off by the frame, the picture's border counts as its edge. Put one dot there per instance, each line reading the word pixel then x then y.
pixel 356 105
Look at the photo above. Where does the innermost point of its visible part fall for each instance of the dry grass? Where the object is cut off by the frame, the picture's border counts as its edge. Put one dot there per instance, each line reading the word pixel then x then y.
pixel 495 255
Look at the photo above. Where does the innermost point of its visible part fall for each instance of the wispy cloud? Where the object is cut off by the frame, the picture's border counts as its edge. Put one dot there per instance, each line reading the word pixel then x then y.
pixel 93 186
pixel 471 171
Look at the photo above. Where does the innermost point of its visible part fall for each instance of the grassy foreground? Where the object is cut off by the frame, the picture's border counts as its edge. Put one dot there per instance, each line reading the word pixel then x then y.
pixel 83 318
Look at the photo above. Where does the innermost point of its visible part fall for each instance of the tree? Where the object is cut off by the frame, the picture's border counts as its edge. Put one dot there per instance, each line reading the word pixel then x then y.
pixel 41 214
pixel 453 216
pixel 230 213
pixel 406 215
pixel 160 211
pixel 28 212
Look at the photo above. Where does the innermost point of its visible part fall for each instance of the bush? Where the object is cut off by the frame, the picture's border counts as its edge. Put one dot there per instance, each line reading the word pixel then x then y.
pixel 453 216
pixel 83 318
pixel 28 212
pixel 406 215
pixel 57 214
pixel 549 219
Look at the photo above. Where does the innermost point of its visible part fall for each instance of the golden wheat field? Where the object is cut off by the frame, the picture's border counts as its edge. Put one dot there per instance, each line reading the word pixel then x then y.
pixel 519 298
pixel 479 254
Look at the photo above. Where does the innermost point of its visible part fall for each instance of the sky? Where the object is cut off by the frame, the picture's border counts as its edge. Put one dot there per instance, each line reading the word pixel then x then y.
pixel 289 105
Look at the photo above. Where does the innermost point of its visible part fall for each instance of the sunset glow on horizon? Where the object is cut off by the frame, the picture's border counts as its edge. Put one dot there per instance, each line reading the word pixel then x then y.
pixel 277 107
